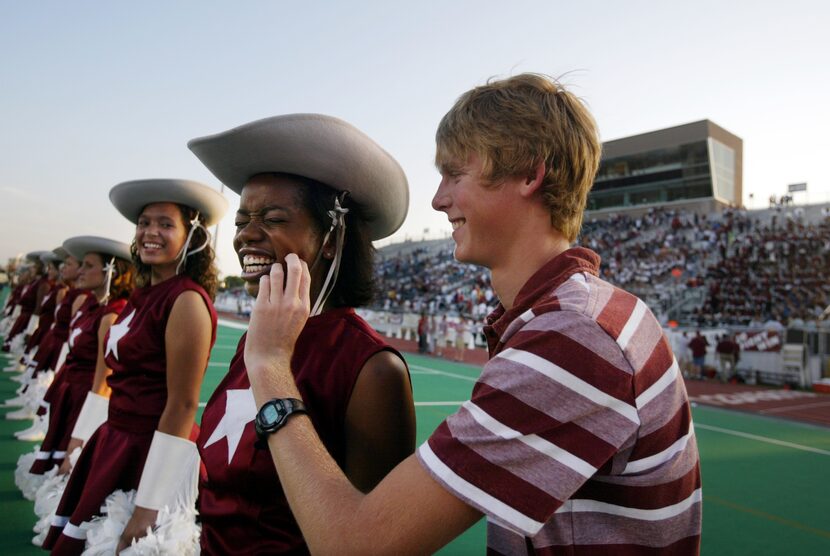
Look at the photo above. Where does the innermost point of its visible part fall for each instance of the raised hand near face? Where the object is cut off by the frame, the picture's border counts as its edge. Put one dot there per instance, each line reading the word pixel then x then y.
pixel 278 316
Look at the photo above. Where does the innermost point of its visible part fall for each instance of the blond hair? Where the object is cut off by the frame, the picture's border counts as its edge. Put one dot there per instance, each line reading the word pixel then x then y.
pixel 514 124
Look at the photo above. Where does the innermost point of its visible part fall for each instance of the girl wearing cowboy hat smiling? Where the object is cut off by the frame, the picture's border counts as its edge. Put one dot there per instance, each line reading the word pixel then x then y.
pixel 316 186
pixel 143 402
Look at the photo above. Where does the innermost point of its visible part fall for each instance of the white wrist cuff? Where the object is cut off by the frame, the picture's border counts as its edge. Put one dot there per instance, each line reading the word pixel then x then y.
pixel 171 474
pixel 62 356
pixel 93 415
pixel 33 320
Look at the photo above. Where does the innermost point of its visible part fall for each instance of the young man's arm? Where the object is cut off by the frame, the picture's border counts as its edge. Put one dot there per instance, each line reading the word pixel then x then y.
pixel 408 512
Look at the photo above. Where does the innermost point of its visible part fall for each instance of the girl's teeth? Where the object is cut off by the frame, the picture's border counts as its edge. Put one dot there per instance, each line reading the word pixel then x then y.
pixel 256 268
pixel 253 260
pixel 253 264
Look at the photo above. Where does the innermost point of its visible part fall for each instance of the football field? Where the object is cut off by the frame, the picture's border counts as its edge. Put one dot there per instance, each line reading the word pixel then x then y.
pixel 765 485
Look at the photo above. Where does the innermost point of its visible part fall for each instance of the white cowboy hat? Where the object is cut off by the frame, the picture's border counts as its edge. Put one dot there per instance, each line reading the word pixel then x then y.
pixel 51 257
pixel 81 245
pixel 323 148
pixel 60 253
pixel 36 255
pixel 131 197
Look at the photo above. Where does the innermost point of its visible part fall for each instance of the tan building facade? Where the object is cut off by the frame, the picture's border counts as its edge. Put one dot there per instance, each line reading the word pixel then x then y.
pixel 698 166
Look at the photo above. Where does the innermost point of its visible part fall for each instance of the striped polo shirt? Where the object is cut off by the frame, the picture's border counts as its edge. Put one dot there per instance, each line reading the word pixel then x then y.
pixel 578 438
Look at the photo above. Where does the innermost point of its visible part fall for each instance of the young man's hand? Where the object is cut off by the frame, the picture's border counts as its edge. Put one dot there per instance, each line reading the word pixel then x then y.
pixel 278 316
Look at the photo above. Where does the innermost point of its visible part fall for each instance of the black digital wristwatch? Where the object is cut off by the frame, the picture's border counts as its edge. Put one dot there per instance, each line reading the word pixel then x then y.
pixel 273 415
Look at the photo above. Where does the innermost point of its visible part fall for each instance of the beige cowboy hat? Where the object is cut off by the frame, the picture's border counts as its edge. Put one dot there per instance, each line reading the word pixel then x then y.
pixel 81 245
pixel 36 255
pixel 51 257
pixel 131 197
pixel 323 148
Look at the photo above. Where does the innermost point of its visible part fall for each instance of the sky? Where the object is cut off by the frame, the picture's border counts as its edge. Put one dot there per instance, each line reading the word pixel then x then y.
pixel 96 93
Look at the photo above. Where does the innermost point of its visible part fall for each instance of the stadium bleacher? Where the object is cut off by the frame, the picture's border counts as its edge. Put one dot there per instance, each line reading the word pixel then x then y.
pixel 735 268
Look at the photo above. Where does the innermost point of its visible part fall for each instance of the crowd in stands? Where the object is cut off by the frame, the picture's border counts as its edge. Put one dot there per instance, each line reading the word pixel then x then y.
pixel 430 280
pixel 746 269
pixel 769 272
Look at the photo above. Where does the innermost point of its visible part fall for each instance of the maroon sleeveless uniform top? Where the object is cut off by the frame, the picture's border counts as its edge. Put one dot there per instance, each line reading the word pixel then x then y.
pixel 47 316
pixel 134 349
pixel 50 346
pixel 28 299
pixel 79 366
pixel 241 503
pixel 63 314
pixel 14 298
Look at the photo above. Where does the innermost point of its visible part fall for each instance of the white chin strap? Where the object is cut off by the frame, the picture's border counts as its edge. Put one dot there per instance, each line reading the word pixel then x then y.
pixel 338 226
pixel 184 253
pixel 109 268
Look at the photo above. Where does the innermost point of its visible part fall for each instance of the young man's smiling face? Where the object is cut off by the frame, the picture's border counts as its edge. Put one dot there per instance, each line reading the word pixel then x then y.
pixel 478 211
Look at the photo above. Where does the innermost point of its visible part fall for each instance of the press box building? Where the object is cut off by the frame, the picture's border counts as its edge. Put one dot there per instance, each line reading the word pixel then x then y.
pixel 698 166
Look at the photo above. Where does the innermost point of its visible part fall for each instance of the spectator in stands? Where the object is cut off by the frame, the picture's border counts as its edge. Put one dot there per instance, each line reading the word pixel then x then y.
pixel 728 352
pixel 680 345
pixel 433 330
pixel 461 331
pixel 698 346
pixel 443 331
pixel 423 326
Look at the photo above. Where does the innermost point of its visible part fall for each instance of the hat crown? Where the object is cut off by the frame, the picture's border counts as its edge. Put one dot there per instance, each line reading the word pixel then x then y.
pixel 324 148
pixel 81 245
pixel 131 197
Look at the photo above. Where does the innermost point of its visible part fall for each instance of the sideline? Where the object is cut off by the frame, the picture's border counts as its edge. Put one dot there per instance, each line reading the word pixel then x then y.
pixel 431 371
pixel 763 439
pixel 232 324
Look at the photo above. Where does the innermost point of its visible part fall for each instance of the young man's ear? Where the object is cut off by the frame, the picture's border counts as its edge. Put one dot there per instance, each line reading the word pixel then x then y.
pixel 534 182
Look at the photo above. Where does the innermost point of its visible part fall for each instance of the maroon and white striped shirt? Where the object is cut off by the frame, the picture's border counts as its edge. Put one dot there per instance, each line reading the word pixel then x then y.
pixel 578 438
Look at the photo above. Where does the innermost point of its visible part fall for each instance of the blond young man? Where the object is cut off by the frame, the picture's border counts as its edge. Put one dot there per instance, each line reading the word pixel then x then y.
pixel 578 435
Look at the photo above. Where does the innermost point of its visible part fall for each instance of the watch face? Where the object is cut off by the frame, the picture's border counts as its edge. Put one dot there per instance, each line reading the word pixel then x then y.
pixel 270 414
pixel 273 414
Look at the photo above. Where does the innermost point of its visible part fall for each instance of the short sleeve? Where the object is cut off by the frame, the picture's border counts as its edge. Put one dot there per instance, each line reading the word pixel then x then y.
pixel 546 414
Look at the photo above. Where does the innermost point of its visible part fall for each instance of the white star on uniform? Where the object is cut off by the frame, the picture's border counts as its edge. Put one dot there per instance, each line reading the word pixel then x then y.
pixel 72 335
pixel 240 409
pixel 117 331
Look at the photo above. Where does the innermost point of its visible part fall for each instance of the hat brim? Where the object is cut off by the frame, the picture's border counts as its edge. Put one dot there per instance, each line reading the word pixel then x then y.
pixel 81 245
pixel 131 197
pixel 326 149
pixel 61 253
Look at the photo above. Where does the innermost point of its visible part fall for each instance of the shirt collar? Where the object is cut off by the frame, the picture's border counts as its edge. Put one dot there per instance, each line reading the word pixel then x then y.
pixel 545 280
